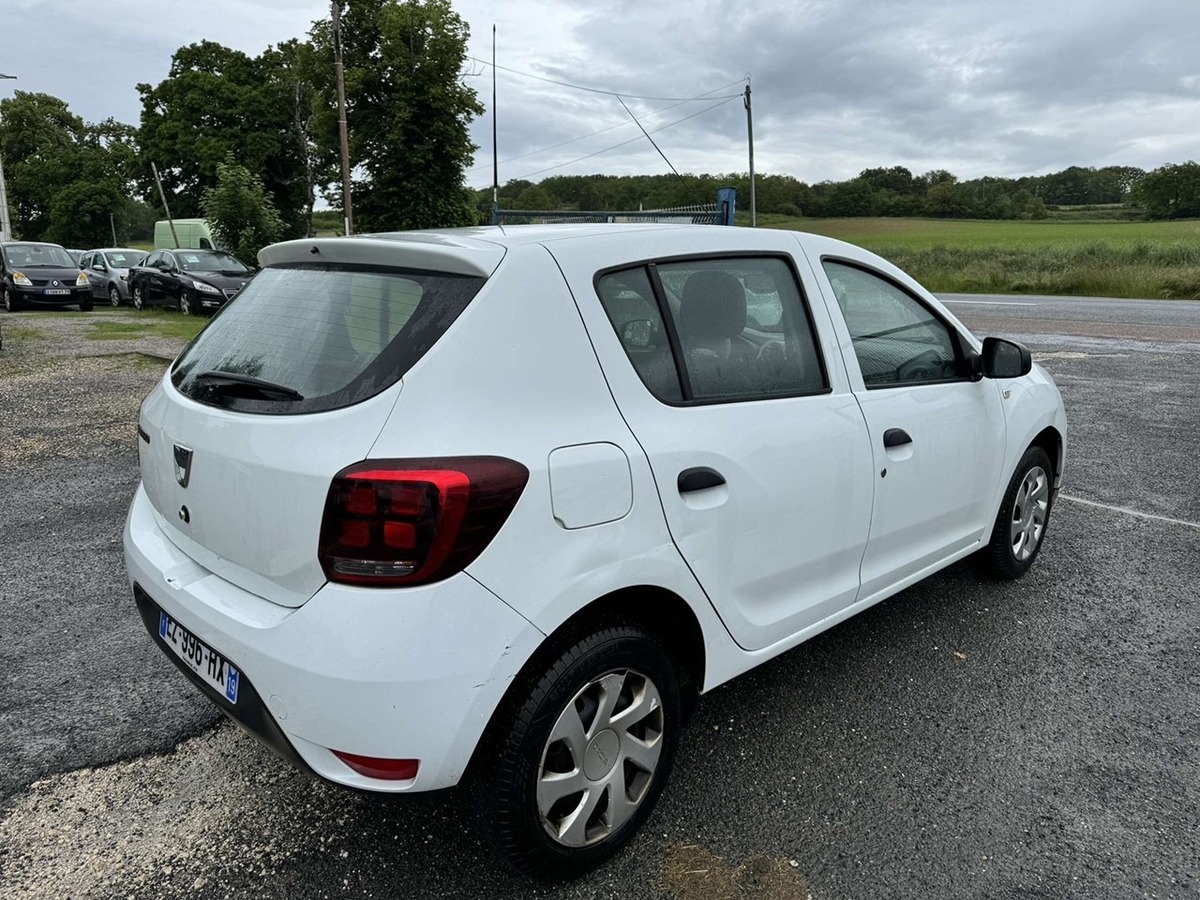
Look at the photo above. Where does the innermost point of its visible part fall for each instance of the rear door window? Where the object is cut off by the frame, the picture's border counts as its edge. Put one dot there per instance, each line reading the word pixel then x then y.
pixel 310 338
pixel 739 325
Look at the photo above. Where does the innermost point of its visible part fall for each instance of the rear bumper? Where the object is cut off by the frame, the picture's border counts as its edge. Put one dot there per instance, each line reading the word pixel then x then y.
pixel 401 674
pixel 249 711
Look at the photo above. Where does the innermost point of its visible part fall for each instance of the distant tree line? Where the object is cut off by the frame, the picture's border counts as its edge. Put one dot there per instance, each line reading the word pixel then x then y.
pixel 1169 192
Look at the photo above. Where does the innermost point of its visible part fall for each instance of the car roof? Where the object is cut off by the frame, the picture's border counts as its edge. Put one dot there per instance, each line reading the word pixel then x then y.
pixel 479 250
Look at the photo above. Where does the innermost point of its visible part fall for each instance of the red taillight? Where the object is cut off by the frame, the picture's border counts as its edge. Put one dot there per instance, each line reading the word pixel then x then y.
pixel 378 767
pixel 395 522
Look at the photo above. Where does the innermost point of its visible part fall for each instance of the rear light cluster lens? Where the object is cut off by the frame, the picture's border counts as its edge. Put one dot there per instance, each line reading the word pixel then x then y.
pixel 400 522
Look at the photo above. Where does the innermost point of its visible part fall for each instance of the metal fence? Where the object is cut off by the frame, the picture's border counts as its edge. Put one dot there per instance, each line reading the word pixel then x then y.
pixel 719 213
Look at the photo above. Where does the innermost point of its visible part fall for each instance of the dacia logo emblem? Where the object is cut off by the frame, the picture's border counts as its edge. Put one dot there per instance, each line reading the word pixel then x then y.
pixel 183 465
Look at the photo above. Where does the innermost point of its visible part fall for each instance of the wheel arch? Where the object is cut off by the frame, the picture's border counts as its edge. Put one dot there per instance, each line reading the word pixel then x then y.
pixel 663 613
pixel 1050 439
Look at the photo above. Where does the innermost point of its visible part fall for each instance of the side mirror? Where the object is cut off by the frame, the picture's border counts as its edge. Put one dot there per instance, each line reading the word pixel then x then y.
pixel 100 267
pixel 1005 359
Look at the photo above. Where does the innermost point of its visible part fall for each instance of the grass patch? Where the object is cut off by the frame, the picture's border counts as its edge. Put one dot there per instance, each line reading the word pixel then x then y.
pixel 21 332
pixel 139 362
pixel 157 324
pixel 1157 260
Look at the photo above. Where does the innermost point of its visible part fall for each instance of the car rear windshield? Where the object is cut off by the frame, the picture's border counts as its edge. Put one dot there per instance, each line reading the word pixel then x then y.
pixel 302 339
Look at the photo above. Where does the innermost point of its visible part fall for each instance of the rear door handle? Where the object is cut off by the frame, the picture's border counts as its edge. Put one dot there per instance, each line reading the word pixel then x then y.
pixel 896 437
pixel 698 479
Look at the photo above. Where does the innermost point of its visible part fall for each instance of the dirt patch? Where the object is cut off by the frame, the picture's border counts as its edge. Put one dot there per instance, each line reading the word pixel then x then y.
pixel 694 873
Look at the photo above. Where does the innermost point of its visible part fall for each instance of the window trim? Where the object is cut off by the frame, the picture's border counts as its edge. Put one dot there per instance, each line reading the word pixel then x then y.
pixel 650 266
pixel 964 353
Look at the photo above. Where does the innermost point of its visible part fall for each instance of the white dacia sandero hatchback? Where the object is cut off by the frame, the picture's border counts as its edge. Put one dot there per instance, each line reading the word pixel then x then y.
pixel 495 506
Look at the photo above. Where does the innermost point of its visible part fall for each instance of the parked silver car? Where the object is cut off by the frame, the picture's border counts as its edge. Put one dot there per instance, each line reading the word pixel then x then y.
pixel 107 270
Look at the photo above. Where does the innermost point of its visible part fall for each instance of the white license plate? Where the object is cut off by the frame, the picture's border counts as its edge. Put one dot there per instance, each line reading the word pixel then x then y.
pixel 213 669
pixel 57 292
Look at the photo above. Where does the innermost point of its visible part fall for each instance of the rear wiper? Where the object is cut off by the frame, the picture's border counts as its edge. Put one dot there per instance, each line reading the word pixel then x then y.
pixel 218 380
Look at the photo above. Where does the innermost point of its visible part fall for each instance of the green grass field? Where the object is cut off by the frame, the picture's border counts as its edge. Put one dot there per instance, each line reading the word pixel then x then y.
pixel 1084 258
pixel 925 234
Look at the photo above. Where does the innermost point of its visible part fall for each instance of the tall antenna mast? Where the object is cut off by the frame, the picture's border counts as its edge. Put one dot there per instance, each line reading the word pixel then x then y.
pixel 495 152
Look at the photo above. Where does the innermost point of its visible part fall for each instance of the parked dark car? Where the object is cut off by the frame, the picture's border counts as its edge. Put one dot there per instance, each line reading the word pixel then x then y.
pixel 195 281
pixel 107 270
pixel 37 274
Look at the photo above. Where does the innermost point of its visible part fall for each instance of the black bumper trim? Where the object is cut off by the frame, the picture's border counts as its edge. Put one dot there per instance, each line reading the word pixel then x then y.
pixel 250 712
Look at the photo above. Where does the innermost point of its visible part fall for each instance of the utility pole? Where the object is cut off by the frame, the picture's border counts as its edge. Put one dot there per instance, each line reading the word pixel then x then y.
pixel 750 137
pixel 5 225
pixel 348 206
pixel 166 209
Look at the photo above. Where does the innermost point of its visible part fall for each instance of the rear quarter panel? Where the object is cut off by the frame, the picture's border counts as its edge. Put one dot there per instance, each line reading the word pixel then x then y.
pixel 516 376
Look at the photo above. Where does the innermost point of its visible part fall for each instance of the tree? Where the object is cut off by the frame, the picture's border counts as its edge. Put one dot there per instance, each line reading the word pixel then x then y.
pixel 1171 192
pixel 65 179
pixel 408 112
pixel 240 212
pixel 535 197
pixel 216 101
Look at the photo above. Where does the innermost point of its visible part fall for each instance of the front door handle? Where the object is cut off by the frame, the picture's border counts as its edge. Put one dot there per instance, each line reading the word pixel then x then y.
pixel 896 437
pixel 698 479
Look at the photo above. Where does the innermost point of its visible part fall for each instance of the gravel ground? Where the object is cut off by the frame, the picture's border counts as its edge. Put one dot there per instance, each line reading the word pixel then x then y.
pixel 962 740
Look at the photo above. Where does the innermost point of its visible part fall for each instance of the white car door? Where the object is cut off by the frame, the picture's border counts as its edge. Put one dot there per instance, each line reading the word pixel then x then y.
pixel 758 448
pixel 937 429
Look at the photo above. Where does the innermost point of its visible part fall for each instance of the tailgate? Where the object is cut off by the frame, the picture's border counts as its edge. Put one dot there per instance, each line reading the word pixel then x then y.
pixel 251 509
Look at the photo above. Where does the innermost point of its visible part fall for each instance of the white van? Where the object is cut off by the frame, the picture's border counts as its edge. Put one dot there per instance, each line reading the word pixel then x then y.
pixel 191 234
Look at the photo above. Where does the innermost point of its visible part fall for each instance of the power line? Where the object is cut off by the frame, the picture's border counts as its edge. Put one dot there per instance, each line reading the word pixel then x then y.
pixel 631 140
pixel 654 145
pixel 657 112
pixel 592 90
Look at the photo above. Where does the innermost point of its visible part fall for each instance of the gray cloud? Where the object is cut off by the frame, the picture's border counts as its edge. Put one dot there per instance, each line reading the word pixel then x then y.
pixel 975 87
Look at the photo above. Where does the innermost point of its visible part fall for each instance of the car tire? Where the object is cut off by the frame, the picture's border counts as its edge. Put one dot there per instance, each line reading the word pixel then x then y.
pixel 185 304
pixel 139 301
pixel 11 304
pixel 605 715
pixel 114 296
pixel 1020 527
pixel 87 306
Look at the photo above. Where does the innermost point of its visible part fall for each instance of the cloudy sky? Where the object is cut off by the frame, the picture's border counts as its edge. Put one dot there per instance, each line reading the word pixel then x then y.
pixel 978 87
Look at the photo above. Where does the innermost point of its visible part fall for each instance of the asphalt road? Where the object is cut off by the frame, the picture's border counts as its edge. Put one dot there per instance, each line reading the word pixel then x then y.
pixel 961 740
